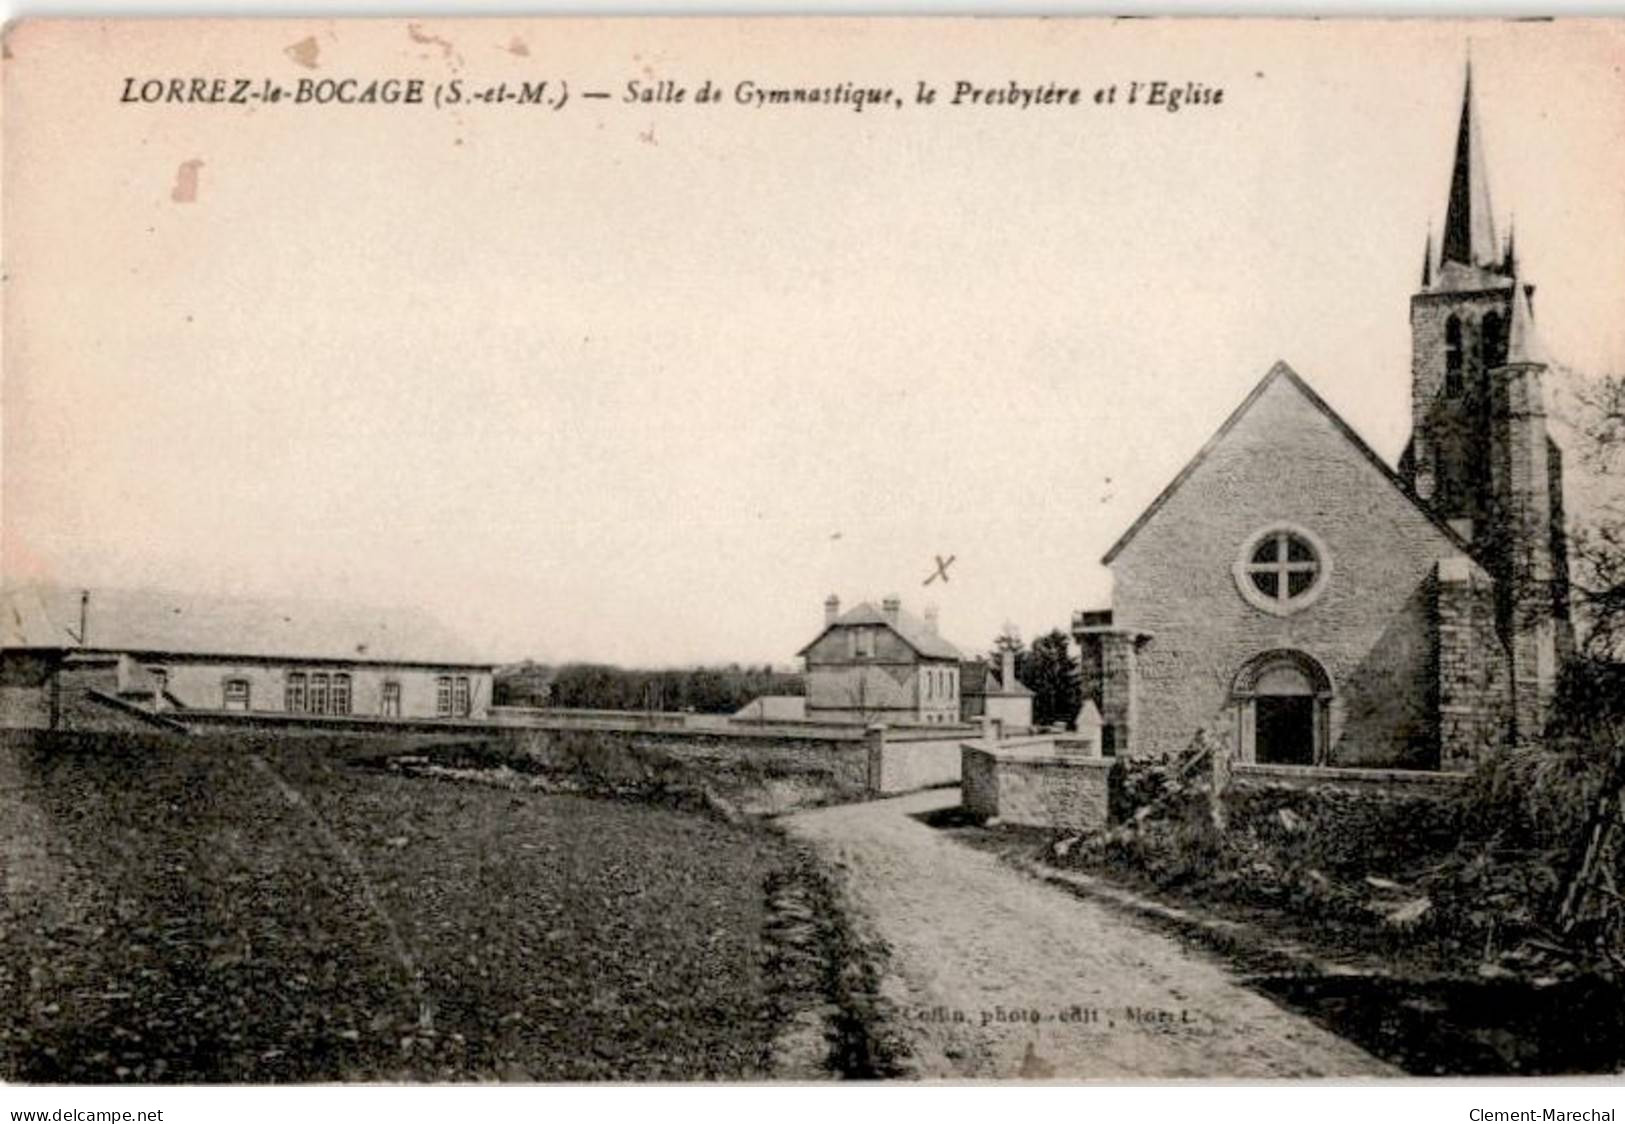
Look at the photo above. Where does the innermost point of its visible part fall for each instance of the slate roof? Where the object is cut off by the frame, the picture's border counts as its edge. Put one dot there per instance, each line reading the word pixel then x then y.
pixel 1523 345
pixel 977 677
pixel 769 708
pixel 996 687
pixel 911 628
pixel 194 624
pixel 1469 224
pixel 1281 371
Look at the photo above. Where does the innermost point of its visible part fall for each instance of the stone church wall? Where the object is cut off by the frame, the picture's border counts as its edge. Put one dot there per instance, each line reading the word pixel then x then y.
pixel 1371 629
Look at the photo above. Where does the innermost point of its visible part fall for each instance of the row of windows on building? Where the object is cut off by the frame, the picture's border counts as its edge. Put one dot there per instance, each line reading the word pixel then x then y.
pixel 940 683
pixel 1492 350
pixel 321 692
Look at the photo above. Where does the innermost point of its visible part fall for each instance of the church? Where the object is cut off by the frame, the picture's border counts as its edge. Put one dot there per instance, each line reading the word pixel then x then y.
pixel 1294 595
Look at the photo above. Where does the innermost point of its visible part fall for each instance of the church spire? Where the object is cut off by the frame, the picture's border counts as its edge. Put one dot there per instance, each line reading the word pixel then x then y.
pixel 1469 227
pixel 1510 265
pixel 1427 259
pixel 1523 345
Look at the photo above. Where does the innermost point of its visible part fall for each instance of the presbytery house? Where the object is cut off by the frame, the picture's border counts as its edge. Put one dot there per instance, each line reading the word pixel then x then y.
pixel 110 659
pixel 881 666
pixel 1292 593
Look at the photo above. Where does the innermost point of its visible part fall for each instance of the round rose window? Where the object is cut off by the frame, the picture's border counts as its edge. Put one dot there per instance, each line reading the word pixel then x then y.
pixel 1282 569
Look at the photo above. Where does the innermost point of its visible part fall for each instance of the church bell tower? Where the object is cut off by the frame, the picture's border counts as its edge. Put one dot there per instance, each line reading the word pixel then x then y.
pixel 1460 324
pixel 1480 455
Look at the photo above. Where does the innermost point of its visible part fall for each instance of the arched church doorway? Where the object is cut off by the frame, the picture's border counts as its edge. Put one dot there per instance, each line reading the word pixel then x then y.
pixel 1282 700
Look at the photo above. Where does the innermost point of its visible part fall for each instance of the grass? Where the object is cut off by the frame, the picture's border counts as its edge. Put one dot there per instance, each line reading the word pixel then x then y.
pixel 272 914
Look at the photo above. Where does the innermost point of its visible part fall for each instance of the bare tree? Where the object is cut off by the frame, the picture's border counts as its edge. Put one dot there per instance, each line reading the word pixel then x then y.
pixel 1598 539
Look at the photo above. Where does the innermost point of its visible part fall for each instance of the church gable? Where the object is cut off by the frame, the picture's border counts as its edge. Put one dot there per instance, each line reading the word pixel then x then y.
pixel 1281 429
pixel 1286 534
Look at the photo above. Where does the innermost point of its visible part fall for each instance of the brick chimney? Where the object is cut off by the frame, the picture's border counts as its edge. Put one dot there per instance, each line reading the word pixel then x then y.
pixel 931 619
pixel 890 607
pixel 1007 670
pixel 832 609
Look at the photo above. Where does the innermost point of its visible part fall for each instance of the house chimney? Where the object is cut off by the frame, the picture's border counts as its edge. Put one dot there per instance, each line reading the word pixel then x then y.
pixel 832 609
pixel 1007 669
pixel 84 618
pixel 931 619
pixel 890 607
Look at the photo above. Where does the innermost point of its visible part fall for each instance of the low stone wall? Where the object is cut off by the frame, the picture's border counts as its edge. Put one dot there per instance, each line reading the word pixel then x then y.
pixel 559 716
pixel 212 722
pixel 764 773
pixel 1370 820
pixel 1407 782
pixel 1033 785
pixel 906 763
pixel 780 766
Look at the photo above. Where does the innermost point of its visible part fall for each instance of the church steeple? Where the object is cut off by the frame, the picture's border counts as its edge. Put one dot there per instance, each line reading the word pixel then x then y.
pixel 1469 226
pixel 1523 345
pixel 1427 259
pixel 1481 457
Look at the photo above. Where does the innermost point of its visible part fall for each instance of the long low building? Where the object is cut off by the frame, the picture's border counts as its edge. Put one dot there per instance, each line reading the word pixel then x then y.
pixel 90 659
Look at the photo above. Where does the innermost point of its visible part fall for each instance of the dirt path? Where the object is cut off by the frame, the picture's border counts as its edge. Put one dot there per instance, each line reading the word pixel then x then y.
pixel 998 975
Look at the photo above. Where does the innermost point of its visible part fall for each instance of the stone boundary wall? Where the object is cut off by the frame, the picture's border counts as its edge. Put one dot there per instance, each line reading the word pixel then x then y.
pixel 508 721
pixel 1034 786
pixel 570 716
pixel 766 775
pixel 1386 782
pixel 1375 820
pixel 209 723
pixel 834 769
pixel 855 761
pixel 1041 782
pixel 721 725
pixel 801 763
pixel 905 764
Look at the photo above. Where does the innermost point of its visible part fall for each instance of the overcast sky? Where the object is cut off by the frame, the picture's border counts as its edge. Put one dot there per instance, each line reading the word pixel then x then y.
pixel 646 383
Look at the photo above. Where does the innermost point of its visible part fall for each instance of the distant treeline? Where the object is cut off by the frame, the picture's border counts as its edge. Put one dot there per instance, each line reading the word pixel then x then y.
pixel 704 690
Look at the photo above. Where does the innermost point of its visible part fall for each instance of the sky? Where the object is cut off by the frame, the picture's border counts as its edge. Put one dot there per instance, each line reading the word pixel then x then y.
pixel 646 383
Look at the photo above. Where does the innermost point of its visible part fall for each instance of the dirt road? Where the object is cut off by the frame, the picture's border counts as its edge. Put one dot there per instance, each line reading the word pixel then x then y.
pixel 997 975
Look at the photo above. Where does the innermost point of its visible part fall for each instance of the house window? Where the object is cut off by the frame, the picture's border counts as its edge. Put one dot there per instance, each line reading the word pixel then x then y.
pixel 160 680
pixel 341 694
pixel 391 705
pixel 318 692
pixel 293 694
pixel 442 695
pixel 235 694
pixel 1452 357
pixel 1282 569
pixel 861 643
pixel 460 695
